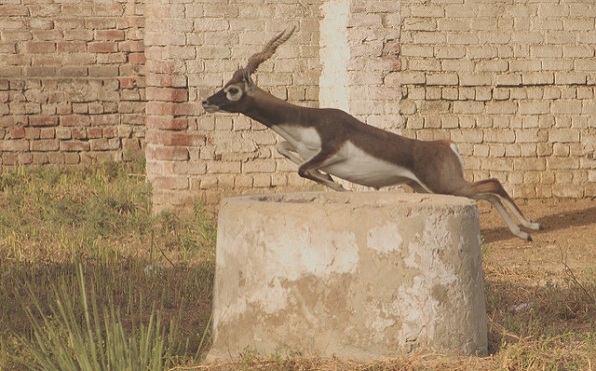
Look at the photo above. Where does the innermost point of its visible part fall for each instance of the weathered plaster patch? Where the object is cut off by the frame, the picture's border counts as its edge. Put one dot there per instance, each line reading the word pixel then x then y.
pixel 384 239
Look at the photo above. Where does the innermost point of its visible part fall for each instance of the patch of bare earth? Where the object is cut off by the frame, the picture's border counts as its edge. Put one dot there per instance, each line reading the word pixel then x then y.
pixel 568 239
pixel 546 287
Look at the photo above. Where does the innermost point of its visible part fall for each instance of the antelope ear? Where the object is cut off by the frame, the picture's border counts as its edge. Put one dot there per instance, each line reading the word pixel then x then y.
pixel 248 80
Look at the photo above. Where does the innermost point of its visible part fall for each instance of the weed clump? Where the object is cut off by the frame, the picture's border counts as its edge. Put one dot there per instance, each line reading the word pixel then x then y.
pixel 84 260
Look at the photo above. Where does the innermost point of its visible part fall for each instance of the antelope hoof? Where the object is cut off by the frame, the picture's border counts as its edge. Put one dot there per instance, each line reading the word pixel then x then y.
pixel 523 235
pixel 534 226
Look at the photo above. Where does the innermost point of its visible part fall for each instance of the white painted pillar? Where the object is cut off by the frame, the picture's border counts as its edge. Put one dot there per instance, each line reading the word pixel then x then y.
pixel 335 55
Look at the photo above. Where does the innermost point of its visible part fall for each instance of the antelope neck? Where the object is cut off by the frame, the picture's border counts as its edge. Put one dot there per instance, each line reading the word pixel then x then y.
pixel 272 111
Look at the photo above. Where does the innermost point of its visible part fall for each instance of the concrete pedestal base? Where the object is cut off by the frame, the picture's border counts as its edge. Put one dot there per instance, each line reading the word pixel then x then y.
pixel 358 275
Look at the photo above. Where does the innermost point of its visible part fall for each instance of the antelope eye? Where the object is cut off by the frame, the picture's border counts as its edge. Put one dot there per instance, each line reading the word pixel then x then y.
pixel 233 93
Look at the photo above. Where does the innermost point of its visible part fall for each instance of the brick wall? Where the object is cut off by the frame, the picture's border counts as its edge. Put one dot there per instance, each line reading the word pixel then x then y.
pixel 192 49
pixel 512 82
pixel 71 81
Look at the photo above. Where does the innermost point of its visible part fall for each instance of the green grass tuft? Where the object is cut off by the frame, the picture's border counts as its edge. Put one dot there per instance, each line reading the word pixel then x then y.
pixel 144 274
pixel 80 333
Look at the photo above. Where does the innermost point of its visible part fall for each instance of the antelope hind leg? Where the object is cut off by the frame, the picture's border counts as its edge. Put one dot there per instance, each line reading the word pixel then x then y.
pixel 496 202
pixel 522 219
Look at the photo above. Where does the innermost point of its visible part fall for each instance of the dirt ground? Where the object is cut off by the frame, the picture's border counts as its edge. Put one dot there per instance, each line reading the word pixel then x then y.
pixel 568 238
pixel 520 272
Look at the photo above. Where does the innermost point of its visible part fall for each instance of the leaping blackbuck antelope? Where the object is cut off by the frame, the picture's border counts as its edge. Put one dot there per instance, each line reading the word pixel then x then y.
pixel 325 142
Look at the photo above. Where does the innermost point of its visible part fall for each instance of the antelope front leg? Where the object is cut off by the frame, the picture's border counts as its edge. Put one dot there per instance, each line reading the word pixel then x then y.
pixel 287 150
pixel 310 170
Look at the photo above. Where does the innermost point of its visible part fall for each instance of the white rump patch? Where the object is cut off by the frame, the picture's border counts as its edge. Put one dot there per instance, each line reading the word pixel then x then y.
pixel 454 149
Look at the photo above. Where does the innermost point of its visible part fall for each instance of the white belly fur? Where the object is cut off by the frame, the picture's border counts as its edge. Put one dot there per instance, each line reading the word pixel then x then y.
pixel 359 167
pixel 350 163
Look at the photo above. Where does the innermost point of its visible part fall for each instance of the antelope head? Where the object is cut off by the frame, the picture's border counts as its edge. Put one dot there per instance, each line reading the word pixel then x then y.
pixel 233 97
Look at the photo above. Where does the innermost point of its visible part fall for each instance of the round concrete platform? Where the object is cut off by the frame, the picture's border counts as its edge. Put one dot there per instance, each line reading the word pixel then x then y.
pixel 358 275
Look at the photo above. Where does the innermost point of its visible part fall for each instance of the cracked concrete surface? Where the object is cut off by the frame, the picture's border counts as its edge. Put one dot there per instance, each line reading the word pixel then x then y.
pixel 359 275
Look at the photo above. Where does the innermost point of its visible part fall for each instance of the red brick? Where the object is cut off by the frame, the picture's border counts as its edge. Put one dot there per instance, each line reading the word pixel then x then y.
pixel 131 46
pixel 166 94
pixel 37 47
pixel 47 35
pixel 164 182
pixel 137 58
pixel 109 35
pixel 153 122
pixel 13 10
pixel 40 24
pixel 167 153
pixel 169 109
pixel 43 121
pixel 47 133
pixel 103 71
pixel 15 35
pixel 131 144
pixel 63 108
pixel 80 108
pixel 75 120
pixel 24 158
pixel 63 133
pixel 166 80
pixel 71 158
pixel 9 47
pixel 84 35
pixel 81 59
pixel 174 139
pixel 106 119
pixel 102 47
pixel 10 158
pixel 41 71
pixel 45 145
pixel 95 108
pixel 128 82
pixel 45 10
pixel 71 46
pixel 74 146
pixel 78 133
pixel 110 132
pixel 56 158
pixel 108 10
pixel 69 22
pixel 17 133
pixel 39 158
pixel 103 144
pixel 79 8
pixel 94 133
pixel 20 145
pixel 32 133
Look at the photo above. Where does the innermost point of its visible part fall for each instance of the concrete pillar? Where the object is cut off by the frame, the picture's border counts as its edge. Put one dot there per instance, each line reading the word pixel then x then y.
pixel 360 275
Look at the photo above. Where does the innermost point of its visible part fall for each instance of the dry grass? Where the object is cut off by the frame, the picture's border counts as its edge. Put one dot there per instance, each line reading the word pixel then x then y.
pixel 52 220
